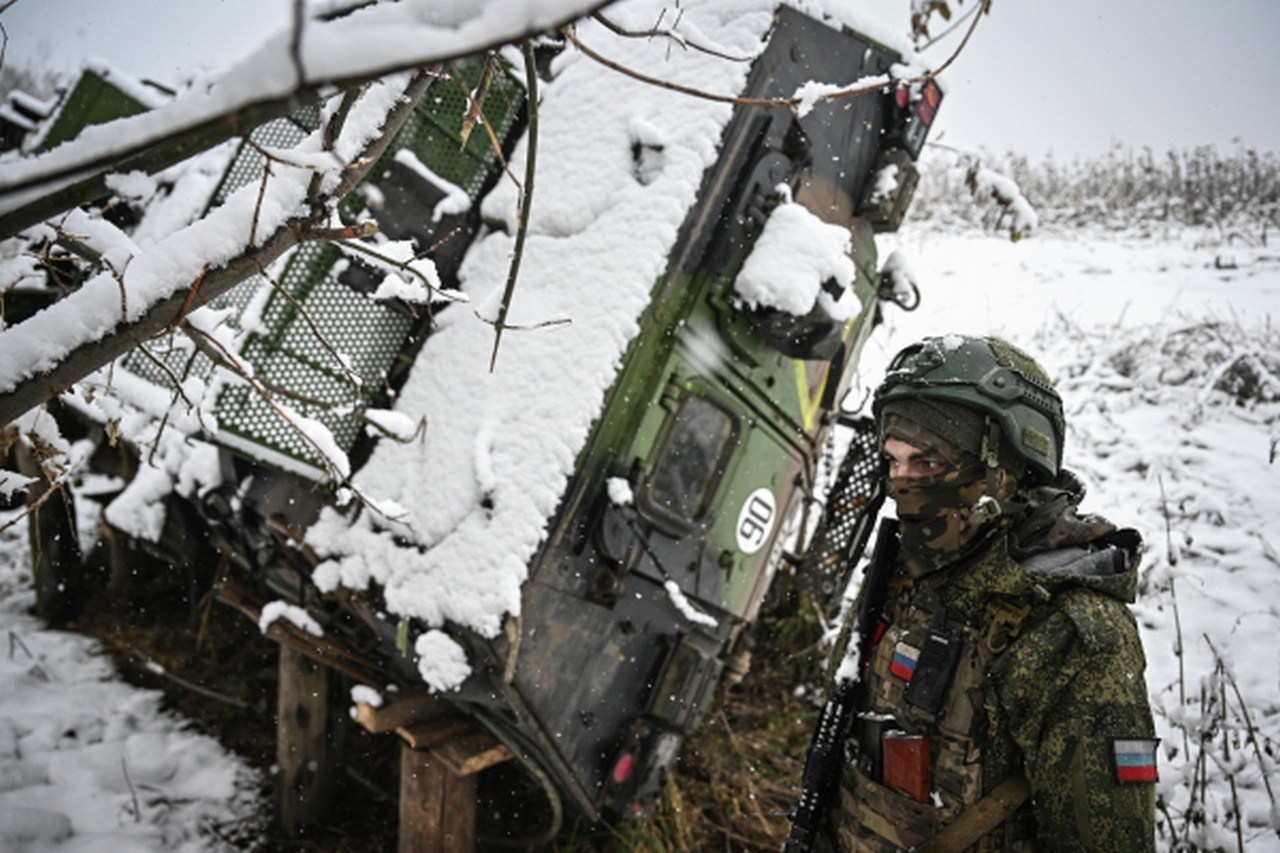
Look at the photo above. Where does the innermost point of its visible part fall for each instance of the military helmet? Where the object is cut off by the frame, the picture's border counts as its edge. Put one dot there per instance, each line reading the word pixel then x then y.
pixel 990 376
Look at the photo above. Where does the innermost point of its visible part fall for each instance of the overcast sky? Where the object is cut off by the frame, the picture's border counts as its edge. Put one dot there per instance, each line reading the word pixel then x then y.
pixel 1071 77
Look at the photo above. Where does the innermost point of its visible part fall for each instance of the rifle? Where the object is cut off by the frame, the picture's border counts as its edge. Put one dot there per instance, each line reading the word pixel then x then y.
pixel 852 507
pixel 826 750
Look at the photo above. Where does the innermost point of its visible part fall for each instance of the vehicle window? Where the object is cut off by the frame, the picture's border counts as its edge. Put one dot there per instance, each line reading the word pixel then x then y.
pixel 691 458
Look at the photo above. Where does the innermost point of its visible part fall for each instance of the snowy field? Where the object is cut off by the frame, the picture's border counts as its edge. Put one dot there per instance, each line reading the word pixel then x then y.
pixel 1166 352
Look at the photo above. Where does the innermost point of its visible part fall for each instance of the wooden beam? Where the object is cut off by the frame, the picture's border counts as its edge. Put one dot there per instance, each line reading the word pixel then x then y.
pixel 430 734
pixel 324 650
pixel 399 713
pixel 56 560
pixel 472 752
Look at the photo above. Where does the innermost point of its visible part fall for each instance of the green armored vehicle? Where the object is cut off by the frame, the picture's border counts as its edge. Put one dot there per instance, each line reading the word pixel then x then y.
pixel 707 446
pixel 582 612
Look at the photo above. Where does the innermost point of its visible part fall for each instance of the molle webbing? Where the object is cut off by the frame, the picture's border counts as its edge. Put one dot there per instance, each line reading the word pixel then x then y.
pixel 979 819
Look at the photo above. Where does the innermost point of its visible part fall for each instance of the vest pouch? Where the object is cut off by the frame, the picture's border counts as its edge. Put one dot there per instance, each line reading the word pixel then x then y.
pixel 906 764
pixel 927 689
pixel 877 818
pixel 870 739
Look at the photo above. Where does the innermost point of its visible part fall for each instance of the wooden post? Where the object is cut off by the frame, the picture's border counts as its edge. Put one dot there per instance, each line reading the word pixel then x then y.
pixel 309 740
pixel 55 547
pixel 440 758
pixel 437 806
pixel 121 564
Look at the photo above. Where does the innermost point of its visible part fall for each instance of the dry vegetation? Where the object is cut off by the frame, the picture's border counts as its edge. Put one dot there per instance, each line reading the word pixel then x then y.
pixel 1236 194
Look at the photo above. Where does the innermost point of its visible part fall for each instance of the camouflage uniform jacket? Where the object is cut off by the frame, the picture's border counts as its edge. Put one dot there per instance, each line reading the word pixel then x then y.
pixel 1048 683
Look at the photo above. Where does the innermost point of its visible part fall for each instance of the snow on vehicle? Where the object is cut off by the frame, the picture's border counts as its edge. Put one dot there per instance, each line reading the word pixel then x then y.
pixel 584 610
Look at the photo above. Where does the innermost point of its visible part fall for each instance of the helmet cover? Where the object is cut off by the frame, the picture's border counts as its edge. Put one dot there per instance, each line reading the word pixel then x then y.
pixel 992 377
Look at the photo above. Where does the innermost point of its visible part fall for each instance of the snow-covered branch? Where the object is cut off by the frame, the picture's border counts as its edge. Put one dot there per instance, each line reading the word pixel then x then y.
pixel 107 317
pixel 343 53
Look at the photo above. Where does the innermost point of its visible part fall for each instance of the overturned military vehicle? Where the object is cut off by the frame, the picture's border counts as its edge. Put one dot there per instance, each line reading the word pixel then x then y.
pixel 629 588
pixel 571 548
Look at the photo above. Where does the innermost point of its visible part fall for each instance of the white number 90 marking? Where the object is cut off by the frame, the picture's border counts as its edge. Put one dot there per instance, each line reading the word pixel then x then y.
pixel 755 520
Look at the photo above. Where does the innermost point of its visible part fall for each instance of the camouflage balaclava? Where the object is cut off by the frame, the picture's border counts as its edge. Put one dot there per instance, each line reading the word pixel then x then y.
pixel 943 517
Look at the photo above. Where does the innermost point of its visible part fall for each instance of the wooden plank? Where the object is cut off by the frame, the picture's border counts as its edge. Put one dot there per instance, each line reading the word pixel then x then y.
pixel 470 753
pixel 437 808
pixel 398 713
pixel 325 650
pixel 425 735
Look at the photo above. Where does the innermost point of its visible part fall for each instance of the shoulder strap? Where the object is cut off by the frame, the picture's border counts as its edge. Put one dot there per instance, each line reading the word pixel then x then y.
pixel 980 818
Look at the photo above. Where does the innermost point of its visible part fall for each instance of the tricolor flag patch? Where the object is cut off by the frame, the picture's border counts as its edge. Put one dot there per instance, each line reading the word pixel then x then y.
pixel 1135 760
pixel 904 661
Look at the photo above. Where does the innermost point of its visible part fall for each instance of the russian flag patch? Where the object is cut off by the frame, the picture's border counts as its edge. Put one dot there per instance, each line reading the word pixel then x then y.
pixel 904 661
pixel 1135 759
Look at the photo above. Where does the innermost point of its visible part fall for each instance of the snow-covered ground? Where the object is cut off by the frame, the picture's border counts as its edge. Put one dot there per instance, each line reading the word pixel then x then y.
pixel 89 763
pixel 1168 357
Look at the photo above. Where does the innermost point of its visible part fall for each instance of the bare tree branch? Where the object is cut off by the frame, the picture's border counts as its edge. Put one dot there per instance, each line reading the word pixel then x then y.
pixel 39 194
pixel 702 93
pixel 790 102
pixel 213 283
pixel 666 32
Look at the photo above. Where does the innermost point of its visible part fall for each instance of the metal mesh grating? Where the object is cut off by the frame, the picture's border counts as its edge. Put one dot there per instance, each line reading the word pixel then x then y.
pixel 434 132
pixel 852 505
pixel 244 413
pixel 247 166
pixel 314 331
pixel 313 334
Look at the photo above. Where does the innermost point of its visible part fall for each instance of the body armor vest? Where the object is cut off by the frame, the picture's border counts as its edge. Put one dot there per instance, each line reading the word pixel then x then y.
pixel 925 744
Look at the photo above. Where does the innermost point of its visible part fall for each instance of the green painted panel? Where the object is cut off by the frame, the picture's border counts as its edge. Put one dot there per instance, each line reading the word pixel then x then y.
pixel 92 101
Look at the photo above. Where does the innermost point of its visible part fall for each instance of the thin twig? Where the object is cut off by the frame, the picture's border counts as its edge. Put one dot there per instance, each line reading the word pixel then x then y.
pixel 403 266
pixel 790 102
pixel 1168 525
pixel 192 292
pixel 528 327
pixel 16 642
pixel 973 25
pixel 1249 727
pixel 682 41
pixel 1182 654
pixel 152 666
pixel 475 99
pixel 526 197
pixel 981 7
pixel 687 90
pixel 178 392
pixel 54 486
pixel 137 809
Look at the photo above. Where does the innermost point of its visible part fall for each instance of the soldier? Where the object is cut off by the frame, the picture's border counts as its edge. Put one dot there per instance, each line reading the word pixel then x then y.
pixel 994 669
